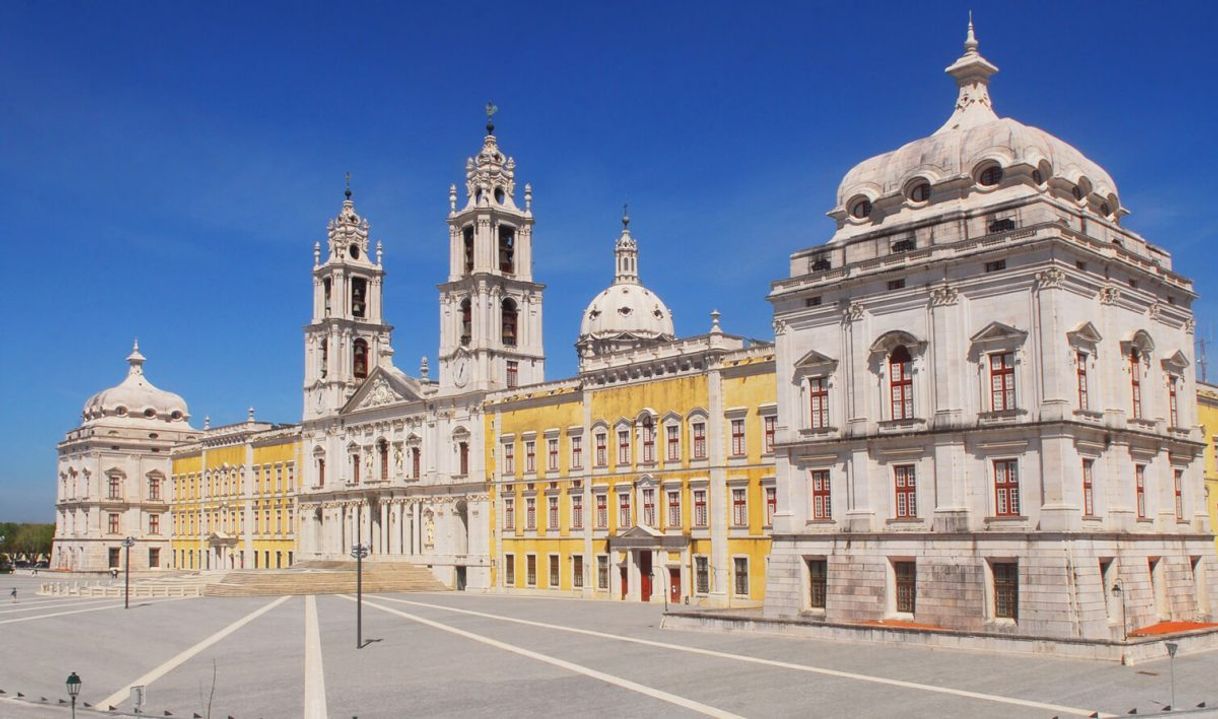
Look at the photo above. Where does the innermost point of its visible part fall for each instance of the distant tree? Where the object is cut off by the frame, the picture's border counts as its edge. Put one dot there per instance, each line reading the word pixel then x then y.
pixel 31 540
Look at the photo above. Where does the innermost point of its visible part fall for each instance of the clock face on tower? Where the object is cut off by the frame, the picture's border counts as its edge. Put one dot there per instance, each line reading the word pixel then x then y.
pixel 461 372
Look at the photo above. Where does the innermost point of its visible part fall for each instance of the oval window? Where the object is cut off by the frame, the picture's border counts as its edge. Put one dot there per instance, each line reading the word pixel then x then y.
pixel 920 192
pixel 1078 193
pixel 1037 177
pixel 990 176
pixel 150 413
pixel 355 252
pixel 1106 209
pixel 861 209
pixel 499 195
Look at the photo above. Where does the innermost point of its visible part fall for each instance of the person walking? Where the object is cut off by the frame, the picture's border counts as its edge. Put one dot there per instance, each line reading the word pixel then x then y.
pixel 13 594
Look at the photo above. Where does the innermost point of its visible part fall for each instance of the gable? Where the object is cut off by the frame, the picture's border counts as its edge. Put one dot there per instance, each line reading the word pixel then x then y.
pixel 382 388
pixel 1086 333
pixel 814 361
pixel 998 332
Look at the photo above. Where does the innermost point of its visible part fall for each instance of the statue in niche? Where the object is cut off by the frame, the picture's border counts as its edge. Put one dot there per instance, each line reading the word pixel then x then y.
pixel 429 524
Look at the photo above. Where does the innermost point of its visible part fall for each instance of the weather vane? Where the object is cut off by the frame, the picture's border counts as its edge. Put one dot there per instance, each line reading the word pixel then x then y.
pixel 348 192
pixel 491 109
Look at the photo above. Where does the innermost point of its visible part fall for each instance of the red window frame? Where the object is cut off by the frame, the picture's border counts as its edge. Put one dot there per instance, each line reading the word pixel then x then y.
pixel 906 580
pixel 116 488
pixel 577 452
pixel 509 512
pixel 1088 488
pixel 674 508
pixel 738 445
pixel 552 451
pixel 602 511
pixel 1173 406
pixel 1006 590
pixel 1080 361
pixel 530 513
pixel 1006 488
pixel 818 402
pixel 623 446
pixel 1178 493
pixel 530 456
pixel 740 507
pixel 700 508
pixel 771 505
pixel 1139 481
pixel 577 511
pixel 649 441
pixel 699 431
pixel 822 498
pixel 602 449
pixel 769 425
pixel 1002 381
pixel 509 457
pixel 623 510
pixel 552 514
pixel 113 523
pixel 905 482
pixel 513 374
pixel 154 489
pixel 154 524
pixel 1135 381
pixel 674 442
pixel 416 460
pixel 649 507
pixel 900 383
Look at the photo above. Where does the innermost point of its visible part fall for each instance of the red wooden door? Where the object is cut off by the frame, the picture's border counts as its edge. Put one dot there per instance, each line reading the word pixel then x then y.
pixel 625 582
pixel 645 576
pixel 674 585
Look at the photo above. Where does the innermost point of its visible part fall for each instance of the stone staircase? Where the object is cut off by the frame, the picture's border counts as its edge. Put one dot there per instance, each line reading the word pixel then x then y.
pixel 324 577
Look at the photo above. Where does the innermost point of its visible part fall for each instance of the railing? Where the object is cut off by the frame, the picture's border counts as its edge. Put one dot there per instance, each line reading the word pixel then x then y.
pixel 77 589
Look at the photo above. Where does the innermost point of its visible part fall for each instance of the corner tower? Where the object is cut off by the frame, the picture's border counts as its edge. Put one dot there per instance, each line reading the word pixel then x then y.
pixel 348 334
pixel 490 307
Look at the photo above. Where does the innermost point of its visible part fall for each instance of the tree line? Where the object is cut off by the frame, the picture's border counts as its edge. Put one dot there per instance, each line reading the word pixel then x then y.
pixel 26 539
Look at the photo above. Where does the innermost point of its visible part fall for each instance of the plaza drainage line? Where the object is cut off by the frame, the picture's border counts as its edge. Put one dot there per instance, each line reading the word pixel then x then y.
pixel 772 662
pixel 182 657
pixel 680 701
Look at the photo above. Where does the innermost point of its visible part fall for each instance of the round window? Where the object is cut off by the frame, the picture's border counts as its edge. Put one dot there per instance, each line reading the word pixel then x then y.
pixel 150 413
pixel 861 209
pixel 990 176
pixel 1106 209
pixel 920 192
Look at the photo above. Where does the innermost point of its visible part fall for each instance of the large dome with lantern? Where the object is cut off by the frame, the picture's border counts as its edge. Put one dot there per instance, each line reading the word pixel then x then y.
pixel 135 399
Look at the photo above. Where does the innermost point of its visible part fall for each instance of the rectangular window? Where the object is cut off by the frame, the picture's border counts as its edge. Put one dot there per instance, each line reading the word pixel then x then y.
pixel 822 507
pixel 577 511
pixel 509 512
pixel 416 457
pixel 530 570
pixel 1080 362
pixel 1139 479
pixel 649 442
pixel 769 426
pixel 1135 382
pixel 602 511
pixel 509 457
pixel 577 452
pixel 818 583
pixel 577 571
pixel 740 571
pixel 154 557
pixel 737 437
pixel 740 508
pixel 513 373
pixel 649 507
pixel 674 442
pixel 552 514
pixel 554 570
pixel 896 284
pixel 1006 590
pixel 552 454
pixel 906 491
pixel 818 391
pixel 906 576
pixel 115 557
pixel 602 453
pixel 623 447
pixel 674 508
pixel 1088 488
pixel 623 511
pixel 900 381
pixel 1173 408
pixel 116 488
pixel 1002 381
pixel 530 513
pixel 509 570
pixel 995 266
pixel 463 458
pixel 113 524
pixel 699 430
pixel 771 504
pixel 1006 488
pixel 154 484
pixel 1177 487
pixel 701 575
pixel 700 508
pixel 154 524
pixel 530 456
pixel 602 572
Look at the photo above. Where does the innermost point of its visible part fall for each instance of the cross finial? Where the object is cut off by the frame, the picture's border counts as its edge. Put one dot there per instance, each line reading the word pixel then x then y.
pixel 491 109
pixel 348 192
pixel 626 216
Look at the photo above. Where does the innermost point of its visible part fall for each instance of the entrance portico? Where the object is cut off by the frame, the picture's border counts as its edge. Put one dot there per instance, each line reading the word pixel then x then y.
pixel 646 565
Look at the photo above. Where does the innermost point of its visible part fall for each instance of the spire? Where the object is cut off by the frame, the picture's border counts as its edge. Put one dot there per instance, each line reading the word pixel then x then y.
pixel 491 109
pixel 490 176
pixel 135 359
pixel 348 192
pixel 348 233
pixel 972 74
pixel 626 254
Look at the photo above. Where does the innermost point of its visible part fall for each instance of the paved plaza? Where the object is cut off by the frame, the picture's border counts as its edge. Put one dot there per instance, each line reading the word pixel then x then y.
pixel 459 655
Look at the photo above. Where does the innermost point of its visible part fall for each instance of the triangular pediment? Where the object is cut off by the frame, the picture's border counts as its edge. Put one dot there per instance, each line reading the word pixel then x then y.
pixel 383 387
pixel 1176 363
pixel 814 360
pixel 998 332
pixel 1086 333
pixel 640 532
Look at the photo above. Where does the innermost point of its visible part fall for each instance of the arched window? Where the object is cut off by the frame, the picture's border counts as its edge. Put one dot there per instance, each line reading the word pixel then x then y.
pixel 510 314
pixel 900 382
pixel 382 449
pixel 507 249
pixel 359 296
pixel 359 358
pixel 466 322
pixel 468 238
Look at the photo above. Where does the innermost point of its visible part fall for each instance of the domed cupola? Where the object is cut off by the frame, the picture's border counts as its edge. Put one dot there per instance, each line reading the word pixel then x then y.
pixel 974 153
pixel 136 400
pixel 626 315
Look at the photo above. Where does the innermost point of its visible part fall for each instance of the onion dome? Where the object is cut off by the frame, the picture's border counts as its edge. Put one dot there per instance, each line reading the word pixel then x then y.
pixel 135 399
pixel 975 147
pixel 626 315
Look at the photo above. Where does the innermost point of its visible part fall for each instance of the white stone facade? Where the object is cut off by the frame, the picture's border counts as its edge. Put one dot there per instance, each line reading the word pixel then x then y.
pixel 113 477
pixel 986 398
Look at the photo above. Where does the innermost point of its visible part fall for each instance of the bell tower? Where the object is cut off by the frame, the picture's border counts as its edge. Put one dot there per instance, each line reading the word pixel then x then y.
pixel 347 336
pixel 490 307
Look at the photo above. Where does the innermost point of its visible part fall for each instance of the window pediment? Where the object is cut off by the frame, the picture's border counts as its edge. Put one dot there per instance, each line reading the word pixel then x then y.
pixel 892 339
pixel 999 333
pixel 1141 341
pixel 1084 334
pixel 815 363
pixel 1176 363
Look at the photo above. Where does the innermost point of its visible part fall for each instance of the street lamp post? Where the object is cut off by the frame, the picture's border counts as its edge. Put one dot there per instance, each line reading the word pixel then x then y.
pixel 1118 591
pixel 73 690
pixel 359 551
pixel 1171 653
pixel 128 543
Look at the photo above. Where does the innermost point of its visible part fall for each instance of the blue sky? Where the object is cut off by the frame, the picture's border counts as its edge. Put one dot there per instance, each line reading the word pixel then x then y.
pixel 166 168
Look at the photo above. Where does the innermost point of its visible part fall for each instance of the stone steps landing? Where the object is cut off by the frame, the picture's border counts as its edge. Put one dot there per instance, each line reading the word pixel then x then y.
pixel 308 578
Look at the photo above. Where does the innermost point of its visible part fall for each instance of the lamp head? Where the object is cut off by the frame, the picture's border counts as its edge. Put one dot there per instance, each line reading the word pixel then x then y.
pixel 1171 648
pixel 73 685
